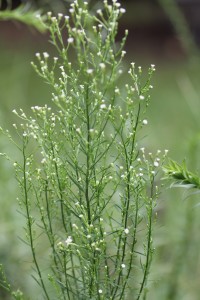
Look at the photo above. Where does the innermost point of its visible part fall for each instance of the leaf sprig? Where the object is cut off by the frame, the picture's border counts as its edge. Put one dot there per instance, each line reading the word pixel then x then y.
pixel 181 175
pixel 26 16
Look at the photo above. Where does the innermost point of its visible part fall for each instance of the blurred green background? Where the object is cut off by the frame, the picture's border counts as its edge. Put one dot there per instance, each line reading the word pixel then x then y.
pixel 164 33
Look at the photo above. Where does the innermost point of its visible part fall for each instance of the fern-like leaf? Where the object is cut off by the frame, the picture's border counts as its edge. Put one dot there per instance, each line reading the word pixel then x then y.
pixel 181 175
pixel 28 17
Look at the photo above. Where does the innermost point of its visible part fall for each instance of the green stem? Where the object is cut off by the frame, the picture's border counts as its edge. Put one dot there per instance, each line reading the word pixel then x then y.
pixel 87 177
pixel 129 159
pixel 63 216
pixel 149 243
pixel 66 277
pixel 29 222
pixel 132 247
pixel 50 235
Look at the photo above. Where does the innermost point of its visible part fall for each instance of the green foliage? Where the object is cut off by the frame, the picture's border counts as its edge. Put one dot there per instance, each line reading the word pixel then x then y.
pixel 17 295
pixel 28 17
pixel 3 280
pixel 181 175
